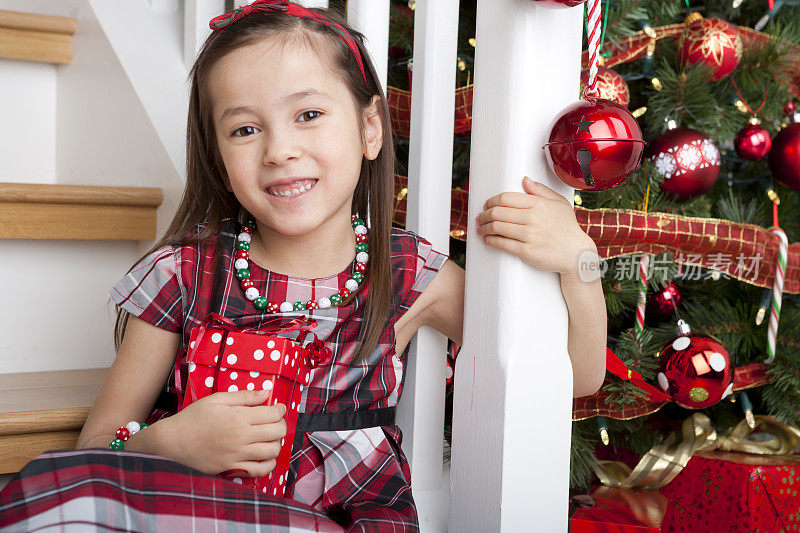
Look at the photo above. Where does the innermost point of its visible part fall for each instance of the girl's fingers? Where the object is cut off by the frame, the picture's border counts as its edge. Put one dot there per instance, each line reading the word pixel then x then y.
pixel 511 246
pixel 265 414
pixel 519 232
pixel 505 214
pixel 540 189
pixel 256 468
pixel 510 199
pixel 268 432
pixel 261 451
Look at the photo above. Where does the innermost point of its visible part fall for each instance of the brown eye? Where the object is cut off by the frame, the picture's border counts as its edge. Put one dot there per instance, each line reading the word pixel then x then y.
pixel 309 113
pixel 250 129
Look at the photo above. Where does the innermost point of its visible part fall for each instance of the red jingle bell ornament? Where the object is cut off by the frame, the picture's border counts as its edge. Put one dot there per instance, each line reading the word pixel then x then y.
pixel 752 142
pixel 665 301
pixel 712 42
pixel 688 160
pixel 559 3
pixel 784 157
pixel 594 144
pixel 695 370
pixel 610 85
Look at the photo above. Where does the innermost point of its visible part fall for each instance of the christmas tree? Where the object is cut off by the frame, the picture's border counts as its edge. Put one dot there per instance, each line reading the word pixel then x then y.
pixel 713 86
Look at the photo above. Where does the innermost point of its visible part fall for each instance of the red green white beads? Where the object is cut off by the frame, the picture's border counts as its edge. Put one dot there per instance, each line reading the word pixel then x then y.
pixel 242 266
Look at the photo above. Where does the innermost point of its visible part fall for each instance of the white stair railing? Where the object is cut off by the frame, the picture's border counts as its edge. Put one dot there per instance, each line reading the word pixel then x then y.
pixel 513 382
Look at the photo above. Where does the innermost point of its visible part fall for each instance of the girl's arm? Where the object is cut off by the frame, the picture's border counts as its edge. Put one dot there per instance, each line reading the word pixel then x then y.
pixel 132 385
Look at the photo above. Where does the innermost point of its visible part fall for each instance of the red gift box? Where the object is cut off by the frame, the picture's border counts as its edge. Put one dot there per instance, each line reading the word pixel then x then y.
pixel 620 510
pixel 223 358
pixel 730 491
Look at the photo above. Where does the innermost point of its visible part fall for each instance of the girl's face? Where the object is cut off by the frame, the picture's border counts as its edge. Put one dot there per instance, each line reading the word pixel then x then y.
pixel 289 133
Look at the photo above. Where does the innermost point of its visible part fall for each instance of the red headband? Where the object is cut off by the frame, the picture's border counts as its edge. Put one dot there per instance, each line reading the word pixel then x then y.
pixel 223 21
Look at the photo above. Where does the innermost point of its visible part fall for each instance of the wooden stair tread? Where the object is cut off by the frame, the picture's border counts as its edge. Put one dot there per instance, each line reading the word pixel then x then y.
pixel 41 411
pixel 48 211
pixel 33 37
pixel 48 399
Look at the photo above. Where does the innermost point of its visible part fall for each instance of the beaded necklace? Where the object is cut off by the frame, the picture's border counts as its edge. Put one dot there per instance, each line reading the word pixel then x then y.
pixel 242 266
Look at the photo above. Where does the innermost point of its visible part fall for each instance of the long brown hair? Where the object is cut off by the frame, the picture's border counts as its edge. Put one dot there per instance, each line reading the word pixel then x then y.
pixel 205 199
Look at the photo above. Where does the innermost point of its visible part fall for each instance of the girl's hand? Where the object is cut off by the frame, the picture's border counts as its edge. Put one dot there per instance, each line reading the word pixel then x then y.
pixel 226 431
pixel 538 227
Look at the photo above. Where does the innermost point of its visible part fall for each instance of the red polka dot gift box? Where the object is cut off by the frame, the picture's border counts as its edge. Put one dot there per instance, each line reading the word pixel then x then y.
pixel 734 492
pixel 222 358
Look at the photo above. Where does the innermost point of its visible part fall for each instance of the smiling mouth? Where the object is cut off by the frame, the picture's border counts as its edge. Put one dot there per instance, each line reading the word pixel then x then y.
pixel 291 189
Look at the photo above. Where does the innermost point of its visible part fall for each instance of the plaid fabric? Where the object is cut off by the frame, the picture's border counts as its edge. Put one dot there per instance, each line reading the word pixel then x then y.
pixel 104 490
pixel 359 477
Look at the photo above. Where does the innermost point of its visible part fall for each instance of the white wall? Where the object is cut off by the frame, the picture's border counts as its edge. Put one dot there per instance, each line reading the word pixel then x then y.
pixel 86 123
pixel 28 126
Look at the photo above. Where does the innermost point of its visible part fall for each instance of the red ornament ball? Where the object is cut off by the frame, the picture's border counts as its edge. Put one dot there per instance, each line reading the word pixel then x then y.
pixel 123 433
pixel 688 161
pixel 594 144
pixel 559 3
pixel 784 157
pixel 695 370
pixel 610 85
pixel 666 300
pixel 246 283
pixel 752 142
pixel 312 304
pixel 790 107
pixel 344 293
pixel 711 42
pixel 273 307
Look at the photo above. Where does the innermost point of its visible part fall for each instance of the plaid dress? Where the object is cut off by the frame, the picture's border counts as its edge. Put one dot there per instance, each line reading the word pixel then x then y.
pixel 347 468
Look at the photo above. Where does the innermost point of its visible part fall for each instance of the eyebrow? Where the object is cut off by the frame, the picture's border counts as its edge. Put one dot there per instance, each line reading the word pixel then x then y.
pixel 292 98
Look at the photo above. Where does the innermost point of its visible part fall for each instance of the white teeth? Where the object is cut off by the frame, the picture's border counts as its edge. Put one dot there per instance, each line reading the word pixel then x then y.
pixel 293 192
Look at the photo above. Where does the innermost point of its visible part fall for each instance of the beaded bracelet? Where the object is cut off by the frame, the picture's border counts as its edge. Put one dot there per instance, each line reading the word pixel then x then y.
pixel 124 433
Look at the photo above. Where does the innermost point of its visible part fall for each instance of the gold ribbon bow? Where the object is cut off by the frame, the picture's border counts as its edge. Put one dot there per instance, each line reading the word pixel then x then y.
pixel 663 462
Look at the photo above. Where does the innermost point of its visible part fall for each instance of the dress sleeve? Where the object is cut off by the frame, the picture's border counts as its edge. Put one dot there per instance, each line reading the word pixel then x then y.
pixel 152 290
pixel 425 262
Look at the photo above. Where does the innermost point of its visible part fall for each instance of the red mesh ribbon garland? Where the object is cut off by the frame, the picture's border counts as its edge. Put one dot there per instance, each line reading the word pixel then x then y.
pixel 743 251
pixel 628 49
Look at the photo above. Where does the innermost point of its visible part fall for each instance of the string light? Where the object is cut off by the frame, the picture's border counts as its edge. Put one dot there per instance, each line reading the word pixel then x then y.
pixel 737 3
pixel 656 84
pixel 740 106
pixel 472 42
pixel 412 4
pixel 602 426
pixel 578 199
pixel 763 305
pixel 638 112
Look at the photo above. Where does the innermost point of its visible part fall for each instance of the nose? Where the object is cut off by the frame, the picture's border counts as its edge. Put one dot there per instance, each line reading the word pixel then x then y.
pixel 280 147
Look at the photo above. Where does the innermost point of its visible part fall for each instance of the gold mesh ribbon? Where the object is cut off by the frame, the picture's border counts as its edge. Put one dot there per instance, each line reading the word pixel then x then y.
pixel 663 462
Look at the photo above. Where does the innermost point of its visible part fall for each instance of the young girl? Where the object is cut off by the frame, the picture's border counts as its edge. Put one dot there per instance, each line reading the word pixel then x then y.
pixel 288 141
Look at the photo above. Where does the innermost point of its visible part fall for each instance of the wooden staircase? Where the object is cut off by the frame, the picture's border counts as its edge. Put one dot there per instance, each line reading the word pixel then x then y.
pixel 46 410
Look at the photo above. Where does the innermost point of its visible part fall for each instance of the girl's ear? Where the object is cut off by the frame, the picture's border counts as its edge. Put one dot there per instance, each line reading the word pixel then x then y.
pixel 373 129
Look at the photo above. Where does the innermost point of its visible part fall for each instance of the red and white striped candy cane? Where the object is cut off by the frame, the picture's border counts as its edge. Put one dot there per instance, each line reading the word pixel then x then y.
pixel 777 292
pixel 644 263
pixel 594 47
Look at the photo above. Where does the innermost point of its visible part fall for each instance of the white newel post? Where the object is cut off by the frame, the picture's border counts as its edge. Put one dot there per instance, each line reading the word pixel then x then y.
pixel 430 171
pixel 371 17
pixel 513 382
